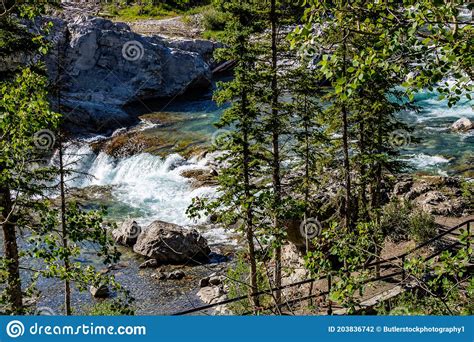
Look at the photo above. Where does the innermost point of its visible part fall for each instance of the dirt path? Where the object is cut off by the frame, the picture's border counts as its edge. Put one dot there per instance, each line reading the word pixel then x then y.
pixel 182 27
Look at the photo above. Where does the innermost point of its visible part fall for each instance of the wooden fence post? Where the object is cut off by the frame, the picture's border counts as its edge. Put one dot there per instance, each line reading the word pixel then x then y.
pixel 468 235
pixel 329 294
pixel 403 268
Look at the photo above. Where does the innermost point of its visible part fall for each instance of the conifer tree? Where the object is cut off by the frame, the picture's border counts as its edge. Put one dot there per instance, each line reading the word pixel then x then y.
pixel 238 190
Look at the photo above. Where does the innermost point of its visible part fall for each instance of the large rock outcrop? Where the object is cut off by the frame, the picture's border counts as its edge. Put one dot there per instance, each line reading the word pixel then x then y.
pixel 102 66
pixel 171 244
pixel 436 195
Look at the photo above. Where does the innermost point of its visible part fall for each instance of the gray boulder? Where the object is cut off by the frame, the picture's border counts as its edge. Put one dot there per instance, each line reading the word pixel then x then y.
pixel 462 125
pixel 205 48
pixel 104 66
pixel 171 244
pixel 212 294
pixel 436 195
pixel 127 234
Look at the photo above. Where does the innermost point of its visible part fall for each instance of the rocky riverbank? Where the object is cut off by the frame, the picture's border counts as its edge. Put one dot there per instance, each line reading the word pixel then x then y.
pixel 101 66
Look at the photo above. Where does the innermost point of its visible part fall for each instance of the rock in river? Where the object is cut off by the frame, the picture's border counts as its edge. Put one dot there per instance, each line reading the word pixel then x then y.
pixel 100 292
pixel 462 125
pixel 171 244
pixel 127 234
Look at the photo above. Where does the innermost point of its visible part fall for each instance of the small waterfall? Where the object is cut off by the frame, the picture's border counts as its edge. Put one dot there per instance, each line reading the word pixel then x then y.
pixel 145 182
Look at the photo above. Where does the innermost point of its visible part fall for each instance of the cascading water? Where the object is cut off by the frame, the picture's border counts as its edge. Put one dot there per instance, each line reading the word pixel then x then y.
pixel 439 149
pixel 148 183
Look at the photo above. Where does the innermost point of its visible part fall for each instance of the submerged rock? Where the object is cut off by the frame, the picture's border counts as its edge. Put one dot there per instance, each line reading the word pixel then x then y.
pixel 127 234
pixel 99 292
pixel 169 243
pixel 462 125
pixel 152 263
pixel 204 282
pixel 176 275
pixel 217 280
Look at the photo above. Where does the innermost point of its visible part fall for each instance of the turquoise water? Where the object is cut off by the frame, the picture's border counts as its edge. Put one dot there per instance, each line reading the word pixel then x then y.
pixel 439 150
pixel 149 187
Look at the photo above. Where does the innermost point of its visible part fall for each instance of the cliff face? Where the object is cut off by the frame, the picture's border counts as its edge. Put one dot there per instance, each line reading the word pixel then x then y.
pixel 101 66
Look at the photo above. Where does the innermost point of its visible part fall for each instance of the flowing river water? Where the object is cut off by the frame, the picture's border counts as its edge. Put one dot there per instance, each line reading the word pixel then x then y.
pixel 148 187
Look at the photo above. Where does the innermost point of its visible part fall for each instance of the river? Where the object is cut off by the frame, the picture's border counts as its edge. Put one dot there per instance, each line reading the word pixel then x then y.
pixel 147 187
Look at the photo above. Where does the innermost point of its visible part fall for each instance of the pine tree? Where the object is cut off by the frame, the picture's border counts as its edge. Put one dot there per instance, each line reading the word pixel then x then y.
pixel 238 199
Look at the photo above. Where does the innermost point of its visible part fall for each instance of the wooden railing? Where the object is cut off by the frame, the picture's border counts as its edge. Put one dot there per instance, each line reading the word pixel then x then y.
pixel 390 262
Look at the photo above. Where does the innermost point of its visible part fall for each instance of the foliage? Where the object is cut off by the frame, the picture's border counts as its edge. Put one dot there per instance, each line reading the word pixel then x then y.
pixel 401 220
pixel 24 110
pixel 422 225
pixel 237 283
pixel 342 254
pixel 213 19
pixel 134 10
pixel 467 189
pixel 112 307
pixel 441 281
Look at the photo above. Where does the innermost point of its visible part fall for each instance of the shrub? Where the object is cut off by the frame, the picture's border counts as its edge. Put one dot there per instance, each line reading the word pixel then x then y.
pixel 109 308
pixel 401 221
pixel 395 220
pixel 237 283
pixel 422 225
pixel 467 189
pixel 214 20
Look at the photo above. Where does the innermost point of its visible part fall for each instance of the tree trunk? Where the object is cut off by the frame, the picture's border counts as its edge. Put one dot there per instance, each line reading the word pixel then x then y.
pixel 10 247
pixel 276 151
pixel 64 233
pixel 67 286
pixel 249 213
pixel 363 173
pixel 345 144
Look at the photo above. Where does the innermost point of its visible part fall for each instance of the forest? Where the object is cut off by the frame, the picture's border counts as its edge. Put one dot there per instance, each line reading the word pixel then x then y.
pixel 261 157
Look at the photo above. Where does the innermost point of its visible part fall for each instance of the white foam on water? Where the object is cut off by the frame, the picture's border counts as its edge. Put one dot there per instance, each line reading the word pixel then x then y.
pixel 456 112
pixel 434 108
pixel 423 161
pixel 147 182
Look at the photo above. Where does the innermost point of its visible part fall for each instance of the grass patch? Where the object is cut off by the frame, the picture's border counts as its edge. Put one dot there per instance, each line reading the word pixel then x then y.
pixel 148 11
pixel 136 12
pixel 213 35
